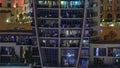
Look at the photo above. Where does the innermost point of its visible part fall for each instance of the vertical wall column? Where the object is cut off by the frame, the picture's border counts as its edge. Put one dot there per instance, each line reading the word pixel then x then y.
pixel 36 30
pixel 82 34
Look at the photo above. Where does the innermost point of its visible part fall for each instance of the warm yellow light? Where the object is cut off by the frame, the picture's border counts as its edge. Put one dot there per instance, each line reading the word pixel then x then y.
pixel 112 25
pixel 103 19
pixel 7 20
pixel 18 15
pixel 114 20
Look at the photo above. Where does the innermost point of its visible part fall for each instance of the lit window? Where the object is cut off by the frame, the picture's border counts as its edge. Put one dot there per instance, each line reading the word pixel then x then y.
pixel 95 4
pixel 103 19
pixel 99 51
pixel 101 30
pixel 109 1
pixel 64 4
pixel 111 25
pixel 101 24
pixel 85 42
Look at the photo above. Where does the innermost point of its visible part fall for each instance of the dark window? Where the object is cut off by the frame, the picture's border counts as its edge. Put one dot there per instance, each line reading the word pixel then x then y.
pixel 50 57
pixel 109 8
pixel 0 4
pixel 109 16
pixel 98 60
pixel 110 51
pixel 118 8
pixel 118 16
pixel 8 5
pixel 101 8
pixel 36 60
pixel 35 51
pixel 109 1
pixel 101 1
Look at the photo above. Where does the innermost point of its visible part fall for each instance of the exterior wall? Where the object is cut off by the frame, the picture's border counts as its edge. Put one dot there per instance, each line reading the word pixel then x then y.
pixel 64 14
pixel 16 47
pixel 107 59
pixel 105 28
pixel 12 16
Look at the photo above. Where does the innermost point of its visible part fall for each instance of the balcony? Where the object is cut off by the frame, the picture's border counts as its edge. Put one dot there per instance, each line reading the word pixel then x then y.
pixel 48 33
pixel 48 23
pixel 90 23
pixel 93 33
pixel 47 13
pixel 92 13
pixel 70 33
pixel 47 4
pixel 71 24
pixel 68 57
pixel 71 14
pixel 72 4
pixel 49 42
pixel 69 43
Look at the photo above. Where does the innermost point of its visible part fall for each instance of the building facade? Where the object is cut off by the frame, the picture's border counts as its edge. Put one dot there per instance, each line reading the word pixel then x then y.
pixel 60 36
pixel 104 50
pixel 62 29
pixel 109 10
pixel 109 54
pixel 13 15
pixel 15 32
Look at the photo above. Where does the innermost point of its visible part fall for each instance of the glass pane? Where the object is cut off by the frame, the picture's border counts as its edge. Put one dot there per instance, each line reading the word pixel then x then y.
pixel 68 57
pixel 50 57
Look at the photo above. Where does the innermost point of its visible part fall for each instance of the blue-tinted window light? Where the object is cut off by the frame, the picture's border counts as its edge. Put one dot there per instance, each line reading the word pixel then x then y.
pixel 64 4
pixel 84 63
pixel 75 4
pixel 97 51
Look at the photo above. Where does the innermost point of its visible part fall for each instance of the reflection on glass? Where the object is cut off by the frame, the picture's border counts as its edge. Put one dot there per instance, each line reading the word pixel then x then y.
pixel 48 4
pixel 48 23
pixel 114 52
pixel 85 52
pixel 99 51
pixel 50 57
pixel 70 33
pixel 48 33
pixel 71 24
pixel 69 43
pixel 49 42
pixel 68 57
pixel 85 42
pixel 71 4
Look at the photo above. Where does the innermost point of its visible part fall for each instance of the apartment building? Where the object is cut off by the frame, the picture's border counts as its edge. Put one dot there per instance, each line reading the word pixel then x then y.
pixel 62 29
pixel 105 48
